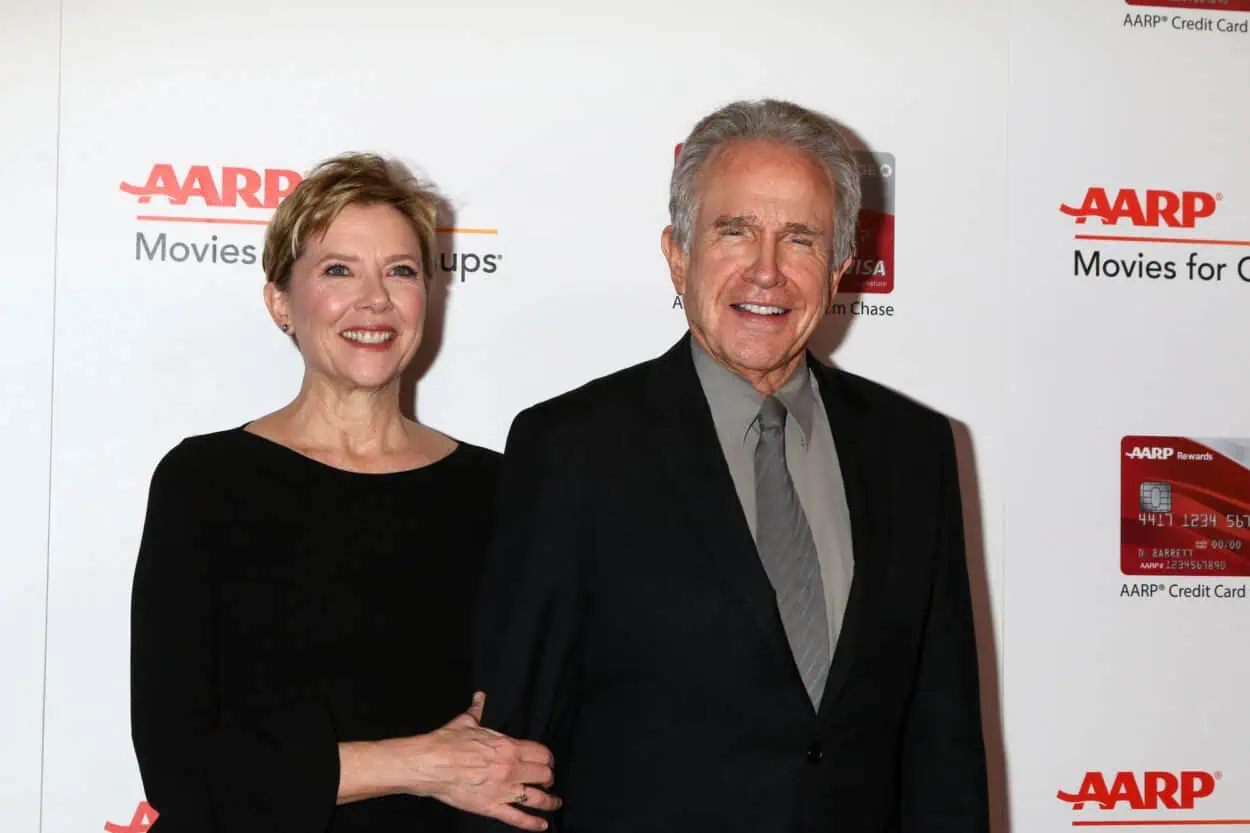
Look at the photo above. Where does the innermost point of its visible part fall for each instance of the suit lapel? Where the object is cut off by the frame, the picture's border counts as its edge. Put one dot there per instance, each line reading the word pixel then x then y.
pixel 699 478
pixel 698 475
pixel 863 458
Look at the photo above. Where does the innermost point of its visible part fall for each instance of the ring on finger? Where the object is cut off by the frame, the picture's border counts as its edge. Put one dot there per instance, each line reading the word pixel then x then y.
pixel 523 796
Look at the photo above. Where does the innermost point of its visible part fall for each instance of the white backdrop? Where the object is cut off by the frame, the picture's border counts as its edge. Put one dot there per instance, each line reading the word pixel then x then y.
pixel 28 137
pixel 551 126
pixel 1097 682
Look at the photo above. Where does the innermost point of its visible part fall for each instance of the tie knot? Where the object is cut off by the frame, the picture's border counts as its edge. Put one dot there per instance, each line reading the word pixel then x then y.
pixel 772 415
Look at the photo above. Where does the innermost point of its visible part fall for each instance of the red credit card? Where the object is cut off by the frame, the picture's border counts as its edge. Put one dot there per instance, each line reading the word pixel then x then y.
pixel 1184 506
pixel 872 269
pixel 1197 5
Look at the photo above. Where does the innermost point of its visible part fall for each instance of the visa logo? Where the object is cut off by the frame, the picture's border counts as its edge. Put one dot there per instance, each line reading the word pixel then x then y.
pixel 1150 453
pixel 1152 208
pixel 1150 791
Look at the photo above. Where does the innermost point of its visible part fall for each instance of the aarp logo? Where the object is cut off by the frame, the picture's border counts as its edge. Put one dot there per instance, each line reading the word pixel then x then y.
pixel 1141 791
pixel 1144 208
pixel 1150 452
pixel 209 194
pixel 141 822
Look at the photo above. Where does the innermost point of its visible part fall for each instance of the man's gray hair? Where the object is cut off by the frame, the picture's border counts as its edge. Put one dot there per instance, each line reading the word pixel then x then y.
pixel 777 121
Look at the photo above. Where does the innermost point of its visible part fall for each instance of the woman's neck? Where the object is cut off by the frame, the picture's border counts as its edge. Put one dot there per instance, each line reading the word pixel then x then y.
pixel 356 423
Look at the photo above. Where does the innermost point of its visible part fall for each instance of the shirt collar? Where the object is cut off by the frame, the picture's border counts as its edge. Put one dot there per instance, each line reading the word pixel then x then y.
pixel 736 405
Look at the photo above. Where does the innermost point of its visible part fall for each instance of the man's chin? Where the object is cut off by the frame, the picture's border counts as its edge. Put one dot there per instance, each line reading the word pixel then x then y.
pixel 761 350
pixel 754 362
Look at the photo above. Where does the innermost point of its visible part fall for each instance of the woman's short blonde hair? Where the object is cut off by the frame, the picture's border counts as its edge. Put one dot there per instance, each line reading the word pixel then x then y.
pixel 347 179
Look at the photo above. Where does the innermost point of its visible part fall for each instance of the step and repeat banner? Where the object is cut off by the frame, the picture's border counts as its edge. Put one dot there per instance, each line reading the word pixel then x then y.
pixel 1054 250
pixel 552 130
pixel 1128 507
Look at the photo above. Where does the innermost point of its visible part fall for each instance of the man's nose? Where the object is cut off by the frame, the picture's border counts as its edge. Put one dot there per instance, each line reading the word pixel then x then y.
pixel 764 269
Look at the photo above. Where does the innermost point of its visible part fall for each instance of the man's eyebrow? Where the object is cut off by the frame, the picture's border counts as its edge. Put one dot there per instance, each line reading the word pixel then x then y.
pixel 736 221
pixel 802 228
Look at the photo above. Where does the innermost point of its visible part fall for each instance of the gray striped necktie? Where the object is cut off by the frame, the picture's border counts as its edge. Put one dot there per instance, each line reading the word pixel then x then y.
pixel 784 540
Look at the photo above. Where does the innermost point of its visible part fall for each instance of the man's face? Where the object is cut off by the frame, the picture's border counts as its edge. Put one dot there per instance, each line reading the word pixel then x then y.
pixel 757 278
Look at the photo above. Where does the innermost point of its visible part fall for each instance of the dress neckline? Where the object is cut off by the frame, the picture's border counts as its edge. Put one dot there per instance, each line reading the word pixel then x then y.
pixel 279 450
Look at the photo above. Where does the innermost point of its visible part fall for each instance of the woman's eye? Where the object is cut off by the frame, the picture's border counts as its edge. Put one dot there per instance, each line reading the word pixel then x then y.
pixel 405 271
pixel 337 270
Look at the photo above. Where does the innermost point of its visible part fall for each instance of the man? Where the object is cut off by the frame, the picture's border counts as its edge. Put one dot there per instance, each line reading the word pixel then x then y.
pixel 728 588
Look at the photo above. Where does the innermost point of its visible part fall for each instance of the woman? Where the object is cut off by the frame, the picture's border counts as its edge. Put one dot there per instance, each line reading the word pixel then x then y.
pixel 300 607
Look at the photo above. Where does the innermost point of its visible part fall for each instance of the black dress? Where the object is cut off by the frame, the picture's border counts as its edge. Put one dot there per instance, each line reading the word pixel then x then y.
pixel 282 606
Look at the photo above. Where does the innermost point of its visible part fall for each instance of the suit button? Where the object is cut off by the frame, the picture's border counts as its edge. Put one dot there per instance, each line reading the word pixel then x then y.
pixel 814 753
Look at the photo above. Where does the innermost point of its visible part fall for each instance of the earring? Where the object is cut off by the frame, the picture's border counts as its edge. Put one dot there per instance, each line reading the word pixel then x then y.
pixel 286 328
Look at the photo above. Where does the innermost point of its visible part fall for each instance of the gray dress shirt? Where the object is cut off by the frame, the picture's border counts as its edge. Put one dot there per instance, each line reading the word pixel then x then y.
pixel 811 458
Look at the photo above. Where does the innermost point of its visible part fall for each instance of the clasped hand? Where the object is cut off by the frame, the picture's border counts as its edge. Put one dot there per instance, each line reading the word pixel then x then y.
pixel 481 771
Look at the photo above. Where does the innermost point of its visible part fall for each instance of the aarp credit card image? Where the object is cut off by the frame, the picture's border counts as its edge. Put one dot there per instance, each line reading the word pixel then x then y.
pixel 1196 5
pixel 1184 506
pixel 872 268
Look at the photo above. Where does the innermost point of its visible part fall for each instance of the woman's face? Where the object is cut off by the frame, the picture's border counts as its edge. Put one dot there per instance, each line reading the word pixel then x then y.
pixel 357 298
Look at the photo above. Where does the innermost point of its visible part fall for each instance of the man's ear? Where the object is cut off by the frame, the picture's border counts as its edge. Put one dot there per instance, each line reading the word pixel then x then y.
pixel 835 278
pixel 678 260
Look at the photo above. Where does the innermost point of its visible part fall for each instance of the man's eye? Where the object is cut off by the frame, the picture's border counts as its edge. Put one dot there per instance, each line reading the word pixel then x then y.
pixel 802 241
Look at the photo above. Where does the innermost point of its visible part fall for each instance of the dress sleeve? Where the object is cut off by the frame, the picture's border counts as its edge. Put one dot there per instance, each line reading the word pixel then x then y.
pixel 200 772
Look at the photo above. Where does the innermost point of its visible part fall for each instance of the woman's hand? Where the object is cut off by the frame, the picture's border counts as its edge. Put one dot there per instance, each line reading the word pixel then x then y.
pixel 478 770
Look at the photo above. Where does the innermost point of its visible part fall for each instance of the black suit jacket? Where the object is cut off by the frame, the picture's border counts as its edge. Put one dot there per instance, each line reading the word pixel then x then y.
pixel 626 621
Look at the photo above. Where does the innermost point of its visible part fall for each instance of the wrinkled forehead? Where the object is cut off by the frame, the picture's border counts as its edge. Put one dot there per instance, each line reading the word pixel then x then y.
pixel 767 181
